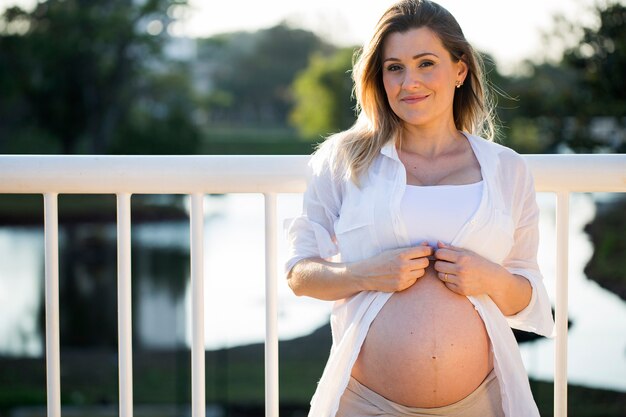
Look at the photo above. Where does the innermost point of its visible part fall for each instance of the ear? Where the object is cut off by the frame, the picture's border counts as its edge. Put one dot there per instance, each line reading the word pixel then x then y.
pixel 462 69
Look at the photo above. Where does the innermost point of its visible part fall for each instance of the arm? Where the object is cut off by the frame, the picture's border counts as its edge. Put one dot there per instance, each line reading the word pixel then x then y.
pixel 511 293
pixel 390 271
pixel 321 279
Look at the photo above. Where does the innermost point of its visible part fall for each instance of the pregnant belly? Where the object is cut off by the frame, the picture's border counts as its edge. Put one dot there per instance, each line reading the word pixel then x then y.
pixel 427 347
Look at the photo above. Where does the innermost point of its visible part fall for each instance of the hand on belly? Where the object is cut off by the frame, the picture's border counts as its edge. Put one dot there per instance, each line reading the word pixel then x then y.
pixel 427 347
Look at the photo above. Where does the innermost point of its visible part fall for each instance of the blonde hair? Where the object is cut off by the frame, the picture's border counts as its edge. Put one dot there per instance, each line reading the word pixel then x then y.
pixel 355 149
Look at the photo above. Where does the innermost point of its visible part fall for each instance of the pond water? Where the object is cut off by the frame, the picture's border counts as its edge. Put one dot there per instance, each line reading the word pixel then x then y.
pixel 235 301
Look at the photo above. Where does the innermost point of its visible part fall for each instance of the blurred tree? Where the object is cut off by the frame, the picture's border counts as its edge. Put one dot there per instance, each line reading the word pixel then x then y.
pixel 160 119
pixel 73 73
pixel 600 60
pixel 251 73
pixel 323 95
pixel 580 101
pixel 536 114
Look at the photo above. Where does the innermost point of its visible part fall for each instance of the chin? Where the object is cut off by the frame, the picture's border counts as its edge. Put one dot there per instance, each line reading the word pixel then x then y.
pixel 415 122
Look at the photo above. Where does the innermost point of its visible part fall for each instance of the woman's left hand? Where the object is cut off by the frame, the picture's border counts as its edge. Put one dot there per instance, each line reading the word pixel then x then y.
pixel 464 271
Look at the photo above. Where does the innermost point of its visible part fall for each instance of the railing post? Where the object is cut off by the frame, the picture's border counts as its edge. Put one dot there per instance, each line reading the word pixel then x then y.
pixel 124 306
pixel 53 363
pixel 271 309
pixel 198 407
pixel 562 247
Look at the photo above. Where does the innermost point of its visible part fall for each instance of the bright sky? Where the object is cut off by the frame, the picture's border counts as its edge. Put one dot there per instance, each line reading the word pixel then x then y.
pixel 510 30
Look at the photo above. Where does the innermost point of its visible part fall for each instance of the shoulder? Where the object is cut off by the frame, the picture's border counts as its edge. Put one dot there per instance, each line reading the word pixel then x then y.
pixel 331 157
pixel 489 146
pixel 323 174
pixel 505 158
pixel 324 156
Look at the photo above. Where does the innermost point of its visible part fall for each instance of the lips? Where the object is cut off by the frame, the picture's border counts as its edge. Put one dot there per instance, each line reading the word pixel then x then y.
pixel 415 98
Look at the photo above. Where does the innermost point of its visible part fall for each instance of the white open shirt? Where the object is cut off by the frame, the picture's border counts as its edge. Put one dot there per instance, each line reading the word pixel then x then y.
pixel 348 223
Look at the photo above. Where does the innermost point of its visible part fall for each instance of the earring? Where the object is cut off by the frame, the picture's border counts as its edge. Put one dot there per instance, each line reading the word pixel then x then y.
pixel 458 84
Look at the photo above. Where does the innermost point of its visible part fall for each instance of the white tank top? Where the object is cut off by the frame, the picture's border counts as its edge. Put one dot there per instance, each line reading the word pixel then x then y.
pixel 438 212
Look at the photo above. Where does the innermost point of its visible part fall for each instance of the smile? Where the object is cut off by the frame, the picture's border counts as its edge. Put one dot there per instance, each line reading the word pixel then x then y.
pixel 414 99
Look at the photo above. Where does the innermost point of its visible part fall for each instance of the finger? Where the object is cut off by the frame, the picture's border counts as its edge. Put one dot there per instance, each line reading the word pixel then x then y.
pixel 431 255
pixel 446 277
pixel 455 249
pixel 417 274
pixel 441 245
pixel 418 251
pixel 413 277
pixel 453 287
pixel 445 267
pixel 446 255
pixel 419 263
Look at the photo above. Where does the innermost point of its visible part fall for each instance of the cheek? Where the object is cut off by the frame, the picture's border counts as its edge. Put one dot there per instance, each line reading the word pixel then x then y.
pixel 387 92
pixel 433 79
pixel 390 86
pixel 391 91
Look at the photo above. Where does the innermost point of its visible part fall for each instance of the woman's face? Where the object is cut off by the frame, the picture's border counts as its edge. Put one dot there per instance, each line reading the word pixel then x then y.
pixel 419 76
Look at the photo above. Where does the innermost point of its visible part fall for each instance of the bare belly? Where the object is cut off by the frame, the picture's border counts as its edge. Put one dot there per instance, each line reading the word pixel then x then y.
pixel 427 347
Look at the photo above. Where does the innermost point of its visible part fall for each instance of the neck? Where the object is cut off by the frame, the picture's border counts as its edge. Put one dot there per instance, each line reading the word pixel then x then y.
pixel 430 141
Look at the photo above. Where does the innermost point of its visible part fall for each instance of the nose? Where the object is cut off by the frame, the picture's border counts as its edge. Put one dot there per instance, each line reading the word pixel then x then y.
pixel 411 79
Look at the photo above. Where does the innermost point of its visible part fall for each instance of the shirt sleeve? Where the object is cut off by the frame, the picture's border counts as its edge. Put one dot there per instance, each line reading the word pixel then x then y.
pixel 311 235
pixel 522 260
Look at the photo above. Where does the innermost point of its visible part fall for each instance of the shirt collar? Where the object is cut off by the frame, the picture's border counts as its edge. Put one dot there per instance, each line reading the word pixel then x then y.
pixel 389 149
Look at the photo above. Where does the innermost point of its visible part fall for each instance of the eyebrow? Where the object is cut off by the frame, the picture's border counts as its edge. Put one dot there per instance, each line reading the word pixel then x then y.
pixel 418 56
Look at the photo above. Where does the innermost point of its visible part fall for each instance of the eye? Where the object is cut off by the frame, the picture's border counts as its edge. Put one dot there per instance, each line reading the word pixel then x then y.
pixel 394 67
pixel 425 64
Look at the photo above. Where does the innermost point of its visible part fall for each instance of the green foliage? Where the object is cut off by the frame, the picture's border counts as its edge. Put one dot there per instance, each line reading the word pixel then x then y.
pixel 72 72
pixel 525 136
pixel 579 102
pixel 160 120
pixel 323 94
pixel 600 58
pixel 251 73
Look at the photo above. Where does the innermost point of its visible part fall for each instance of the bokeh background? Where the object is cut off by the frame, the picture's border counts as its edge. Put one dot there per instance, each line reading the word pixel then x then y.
pixel 271 77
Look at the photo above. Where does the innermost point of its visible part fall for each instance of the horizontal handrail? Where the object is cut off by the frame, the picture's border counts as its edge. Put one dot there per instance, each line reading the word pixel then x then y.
pixel 579 173
pixel 86 174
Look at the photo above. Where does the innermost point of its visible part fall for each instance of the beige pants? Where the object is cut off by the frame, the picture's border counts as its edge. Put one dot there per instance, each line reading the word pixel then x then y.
pixel 360 401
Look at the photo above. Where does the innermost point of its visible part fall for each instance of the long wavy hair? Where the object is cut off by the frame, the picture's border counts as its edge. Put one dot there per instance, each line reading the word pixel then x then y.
pixel 353 150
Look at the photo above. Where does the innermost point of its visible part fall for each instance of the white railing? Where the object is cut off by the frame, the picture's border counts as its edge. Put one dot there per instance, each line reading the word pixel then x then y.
pixel 269 175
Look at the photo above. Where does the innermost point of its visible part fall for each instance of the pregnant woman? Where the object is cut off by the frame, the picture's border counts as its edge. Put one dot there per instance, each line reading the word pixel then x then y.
pixel 424 234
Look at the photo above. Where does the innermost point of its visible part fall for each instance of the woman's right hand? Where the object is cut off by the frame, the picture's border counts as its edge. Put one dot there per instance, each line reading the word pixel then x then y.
pixel 392 270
